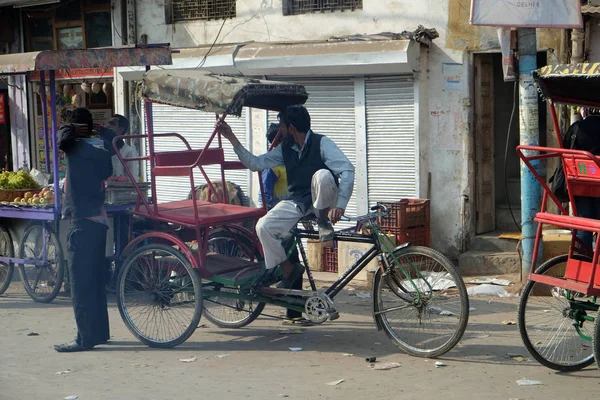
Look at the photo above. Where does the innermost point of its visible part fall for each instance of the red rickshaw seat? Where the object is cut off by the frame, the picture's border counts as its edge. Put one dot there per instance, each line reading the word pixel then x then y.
pixel 209 214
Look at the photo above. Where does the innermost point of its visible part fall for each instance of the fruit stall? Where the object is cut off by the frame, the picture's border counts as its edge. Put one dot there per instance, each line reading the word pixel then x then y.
pixel 32 233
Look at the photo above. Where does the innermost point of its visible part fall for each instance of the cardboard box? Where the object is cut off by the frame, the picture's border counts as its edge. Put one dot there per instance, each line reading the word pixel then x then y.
pixel 315 253
pixel 349 253
pixel 556 243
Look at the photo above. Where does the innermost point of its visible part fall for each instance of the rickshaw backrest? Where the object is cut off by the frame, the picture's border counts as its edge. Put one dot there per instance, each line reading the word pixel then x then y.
pixel 189 157
pixel 582 175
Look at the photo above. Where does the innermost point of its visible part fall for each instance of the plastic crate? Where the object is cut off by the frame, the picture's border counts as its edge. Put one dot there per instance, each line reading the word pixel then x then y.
pixel 124 193
pixel 420 236
pixel 330 259
pixel 405 214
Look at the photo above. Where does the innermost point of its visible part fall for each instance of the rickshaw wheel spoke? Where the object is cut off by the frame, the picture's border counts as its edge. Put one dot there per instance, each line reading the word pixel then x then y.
pixel 546 322
pixel 159 295
pixel 41 282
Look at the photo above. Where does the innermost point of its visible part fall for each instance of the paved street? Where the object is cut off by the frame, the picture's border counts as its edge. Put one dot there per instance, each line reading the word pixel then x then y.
pixel 259 365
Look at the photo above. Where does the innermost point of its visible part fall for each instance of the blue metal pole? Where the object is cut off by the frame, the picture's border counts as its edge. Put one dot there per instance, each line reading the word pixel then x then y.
pixel 529 135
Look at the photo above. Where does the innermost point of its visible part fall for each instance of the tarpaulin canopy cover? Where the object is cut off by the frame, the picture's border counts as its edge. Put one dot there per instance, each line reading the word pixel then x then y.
pixel 218 93
pixel 576 84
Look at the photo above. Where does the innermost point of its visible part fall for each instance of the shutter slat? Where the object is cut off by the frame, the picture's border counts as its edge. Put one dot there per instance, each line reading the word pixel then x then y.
pixel 391 142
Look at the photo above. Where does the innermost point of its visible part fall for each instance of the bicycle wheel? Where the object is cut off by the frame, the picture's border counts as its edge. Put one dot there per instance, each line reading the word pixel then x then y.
pixel 43 272
pixel 229 312
pixel 159 295
pixel 596 341
pixel 547 318
pixel 6 250
pixel 427 314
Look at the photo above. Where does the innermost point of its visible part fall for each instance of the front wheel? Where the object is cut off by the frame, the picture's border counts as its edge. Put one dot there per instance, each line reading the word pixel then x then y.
pixel 556 324
pixel 421 302
pixel 159 295
pixel 43 271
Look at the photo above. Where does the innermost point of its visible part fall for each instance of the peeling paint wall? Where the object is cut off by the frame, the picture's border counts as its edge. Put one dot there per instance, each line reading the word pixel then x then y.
pixel 445 81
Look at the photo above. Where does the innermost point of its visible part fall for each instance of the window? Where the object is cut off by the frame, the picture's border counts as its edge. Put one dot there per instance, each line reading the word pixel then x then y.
pixel 72 25
pixel 296 7
pixel 187 10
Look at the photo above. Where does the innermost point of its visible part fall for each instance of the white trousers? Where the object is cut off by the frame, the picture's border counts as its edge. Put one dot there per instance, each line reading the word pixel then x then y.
pixel 279 221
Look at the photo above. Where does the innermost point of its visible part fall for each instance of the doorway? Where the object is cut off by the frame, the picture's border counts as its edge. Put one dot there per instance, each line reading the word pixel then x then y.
pixel 497 166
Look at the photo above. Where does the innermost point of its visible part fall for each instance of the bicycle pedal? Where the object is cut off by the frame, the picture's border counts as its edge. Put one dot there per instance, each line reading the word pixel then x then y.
pixel 333 314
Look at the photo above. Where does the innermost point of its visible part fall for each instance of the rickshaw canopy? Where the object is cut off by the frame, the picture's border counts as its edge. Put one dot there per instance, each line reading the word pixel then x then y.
pixel 575 84
pixel 46 60
pixel 205 91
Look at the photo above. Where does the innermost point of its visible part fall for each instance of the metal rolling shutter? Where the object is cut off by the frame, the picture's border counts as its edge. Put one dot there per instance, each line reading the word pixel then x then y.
pixel 332 112
pixel 196 127
pixel 392 153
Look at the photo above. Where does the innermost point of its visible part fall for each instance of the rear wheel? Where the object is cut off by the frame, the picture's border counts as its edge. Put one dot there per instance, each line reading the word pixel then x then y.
pixel 6 250
pixel 427 314
pixel 159 295
pixel 554 323
pixel 43 272
pixel 225 310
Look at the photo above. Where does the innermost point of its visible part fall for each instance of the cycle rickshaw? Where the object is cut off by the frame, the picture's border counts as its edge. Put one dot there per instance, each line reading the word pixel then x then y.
pixel 558 311
pixel 203 257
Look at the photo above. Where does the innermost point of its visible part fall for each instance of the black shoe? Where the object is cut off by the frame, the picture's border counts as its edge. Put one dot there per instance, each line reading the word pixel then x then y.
pixel 326 231
pixel 287 283
pixel 71 347
pixel 264 277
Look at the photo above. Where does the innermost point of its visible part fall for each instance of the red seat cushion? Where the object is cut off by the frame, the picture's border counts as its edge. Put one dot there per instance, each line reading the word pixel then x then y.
pixel 209 214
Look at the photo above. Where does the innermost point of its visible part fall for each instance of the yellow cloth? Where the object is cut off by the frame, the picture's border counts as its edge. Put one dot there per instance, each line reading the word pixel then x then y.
pixel 280 189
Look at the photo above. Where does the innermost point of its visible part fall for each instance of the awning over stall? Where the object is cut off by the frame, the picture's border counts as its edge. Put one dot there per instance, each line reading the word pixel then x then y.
pixel 91 58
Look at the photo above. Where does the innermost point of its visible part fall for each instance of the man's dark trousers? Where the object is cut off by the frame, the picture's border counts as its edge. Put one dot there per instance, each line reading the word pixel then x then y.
pixel 86 245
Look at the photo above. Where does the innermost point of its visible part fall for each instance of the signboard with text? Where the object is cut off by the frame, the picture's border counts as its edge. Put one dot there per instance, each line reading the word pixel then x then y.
pixel 527 14
pixel 76 73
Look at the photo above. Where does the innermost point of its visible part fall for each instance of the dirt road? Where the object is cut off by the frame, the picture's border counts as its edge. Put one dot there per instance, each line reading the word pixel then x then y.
pixel 255 362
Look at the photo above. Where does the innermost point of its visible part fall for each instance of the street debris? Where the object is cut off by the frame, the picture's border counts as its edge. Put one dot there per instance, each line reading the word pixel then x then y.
pixel 222 355
pixel 492 281
pixel 348 355
pixel 472 309
pixel 528 382
pixel 140 365
pixel 335 383
pixel 439 364
pixel 487 289
pixel 33 334
pixel 283 395
pixel 203 326
pixel 66 371
pixel 328 335
pixel 377 343
pixel 363 295
pixel 188 360
pixel 295 349
pixel 509 323
pixel 72 397
pixel 371 359
pixel 482 336
pixel 290 331
pixel 384 366
pixel 446 313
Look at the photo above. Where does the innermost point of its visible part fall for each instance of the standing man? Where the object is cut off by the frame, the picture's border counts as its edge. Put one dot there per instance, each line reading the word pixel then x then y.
pixel 120 126
pixel 315 166
pixel 88 165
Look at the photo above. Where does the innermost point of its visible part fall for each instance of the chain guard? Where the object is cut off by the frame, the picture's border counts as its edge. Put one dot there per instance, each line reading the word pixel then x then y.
pixel 318 307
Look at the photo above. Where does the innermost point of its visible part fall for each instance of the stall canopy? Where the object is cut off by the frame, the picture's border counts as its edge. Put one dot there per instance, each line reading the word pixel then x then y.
pixel 218 93
pixel 575 84
pixel 91 58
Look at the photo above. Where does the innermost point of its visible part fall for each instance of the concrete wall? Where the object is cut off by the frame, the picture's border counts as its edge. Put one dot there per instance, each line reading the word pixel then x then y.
pixel 445 113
